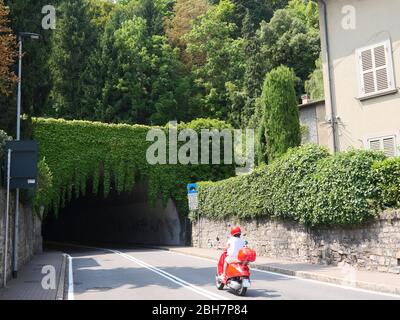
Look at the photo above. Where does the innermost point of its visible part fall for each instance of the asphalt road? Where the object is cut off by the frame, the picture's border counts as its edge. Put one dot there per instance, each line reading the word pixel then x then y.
pixel 146 274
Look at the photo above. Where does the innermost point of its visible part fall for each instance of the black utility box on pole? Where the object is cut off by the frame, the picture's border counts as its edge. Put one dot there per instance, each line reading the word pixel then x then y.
pixel 24 158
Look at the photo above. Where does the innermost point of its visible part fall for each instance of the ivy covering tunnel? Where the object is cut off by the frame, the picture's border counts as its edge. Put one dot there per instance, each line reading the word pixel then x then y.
pixel 74 153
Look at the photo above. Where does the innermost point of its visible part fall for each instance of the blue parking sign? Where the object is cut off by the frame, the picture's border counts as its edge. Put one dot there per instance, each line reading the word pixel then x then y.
pixel 192 188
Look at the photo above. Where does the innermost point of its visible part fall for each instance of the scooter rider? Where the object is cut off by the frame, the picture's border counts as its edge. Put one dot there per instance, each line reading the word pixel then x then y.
pixel 235 243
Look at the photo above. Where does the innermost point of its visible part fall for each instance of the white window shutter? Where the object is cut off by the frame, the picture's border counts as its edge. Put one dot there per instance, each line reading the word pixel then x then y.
pixel 386 144
pixel 367 72
pixel 389 146
pixel 376 69
pixel 375 145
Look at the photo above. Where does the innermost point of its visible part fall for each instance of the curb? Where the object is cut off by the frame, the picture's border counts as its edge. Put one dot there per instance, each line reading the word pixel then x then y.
pixel 60 295
pixel 308 275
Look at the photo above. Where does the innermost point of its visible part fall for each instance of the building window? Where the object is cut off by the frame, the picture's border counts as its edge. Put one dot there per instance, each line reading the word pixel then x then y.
pixel 375 67
pixel 386 144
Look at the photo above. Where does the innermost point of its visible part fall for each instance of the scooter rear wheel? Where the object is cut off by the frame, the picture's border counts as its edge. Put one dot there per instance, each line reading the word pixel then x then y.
pixel 219 283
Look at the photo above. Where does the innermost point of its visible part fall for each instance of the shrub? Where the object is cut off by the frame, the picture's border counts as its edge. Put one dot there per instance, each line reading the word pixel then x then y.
pixel 43 197
pixel 387 175
pixel 345 189
pixel 273 190
pixel 3 138
pixel 306 185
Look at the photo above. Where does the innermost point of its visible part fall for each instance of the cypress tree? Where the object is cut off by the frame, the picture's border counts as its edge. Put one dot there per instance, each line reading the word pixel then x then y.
pixel 281 115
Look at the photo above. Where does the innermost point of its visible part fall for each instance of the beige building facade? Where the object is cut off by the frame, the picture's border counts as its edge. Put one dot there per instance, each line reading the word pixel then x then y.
pixel 361 63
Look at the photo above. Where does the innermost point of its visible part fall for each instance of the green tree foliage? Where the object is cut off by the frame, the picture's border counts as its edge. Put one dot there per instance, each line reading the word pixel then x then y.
pixel 143 75
pixel 180 23
pixel 72 44
pixel 281 114
pixel 217 58
pixel 151 61
pixel 278 4
pixel 292 38
pixel 314 86
pixel 26 16
pixel 7 52
pixel 249 14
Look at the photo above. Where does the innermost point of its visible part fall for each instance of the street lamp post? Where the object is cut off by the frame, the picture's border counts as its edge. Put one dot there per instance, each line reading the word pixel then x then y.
pixel 21 37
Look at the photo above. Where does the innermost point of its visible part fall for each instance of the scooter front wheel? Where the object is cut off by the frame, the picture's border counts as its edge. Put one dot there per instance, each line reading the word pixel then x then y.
pixel 219 283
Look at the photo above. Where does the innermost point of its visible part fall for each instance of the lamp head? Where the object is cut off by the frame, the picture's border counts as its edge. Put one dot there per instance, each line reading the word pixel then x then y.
pixel 34 36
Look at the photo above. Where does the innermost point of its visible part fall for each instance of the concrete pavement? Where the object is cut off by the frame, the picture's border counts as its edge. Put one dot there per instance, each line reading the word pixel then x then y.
pixel 28 285
pixel 342 275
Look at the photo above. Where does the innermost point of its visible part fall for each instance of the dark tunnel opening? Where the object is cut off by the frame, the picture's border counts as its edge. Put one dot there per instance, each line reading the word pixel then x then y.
pixel 126 218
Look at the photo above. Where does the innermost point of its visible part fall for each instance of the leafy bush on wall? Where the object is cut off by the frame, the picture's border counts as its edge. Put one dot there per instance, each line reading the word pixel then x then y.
pixel 307 185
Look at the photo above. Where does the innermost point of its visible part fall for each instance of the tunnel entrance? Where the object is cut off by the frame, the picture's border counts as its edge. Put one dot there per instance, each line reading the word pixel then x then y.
pixel 126 218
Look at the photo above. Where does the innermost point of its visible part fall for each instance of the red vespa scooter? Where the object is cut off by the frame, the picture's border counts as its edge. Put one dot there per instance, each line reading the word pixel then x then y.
pixel 237 273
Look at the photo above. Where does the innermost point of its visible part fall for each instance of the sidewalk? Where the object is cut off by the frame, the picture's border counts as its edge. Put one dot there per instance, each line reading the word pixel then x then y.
pixel 28 285
pixel 346 275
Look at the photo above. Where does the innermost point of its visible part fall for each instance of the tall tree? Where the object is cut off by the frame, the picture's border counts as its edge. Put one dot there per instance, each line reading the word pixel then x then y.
pixel 7 52
pixel 72 44
pixel 281 114
pixel 26 16
pixel 250 13
pixel 292 38
pixel 217 57
pixel 143 74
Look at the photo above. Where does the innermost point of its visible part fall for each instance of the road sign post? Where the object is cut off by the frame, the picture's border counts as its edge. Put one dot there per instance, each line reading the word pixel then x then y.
pixel 194 204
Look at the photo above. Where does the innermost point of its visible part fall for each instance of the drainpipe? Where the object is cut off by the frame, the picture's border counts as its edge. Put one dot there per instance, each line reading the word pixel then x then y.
pixel 333 120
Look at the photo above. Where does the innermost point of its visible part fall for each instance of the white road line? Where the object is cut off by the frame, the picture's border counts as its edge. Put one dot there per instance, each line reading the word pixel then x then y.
pixel 301 279
pixel 70 279
pixel 179 281
pixel 172 278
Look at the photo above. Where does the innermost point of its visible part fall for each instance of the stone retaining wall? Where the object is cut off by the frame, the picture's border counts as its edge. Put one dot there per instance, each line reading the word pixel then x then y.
pixel 372 246
pixel 30 238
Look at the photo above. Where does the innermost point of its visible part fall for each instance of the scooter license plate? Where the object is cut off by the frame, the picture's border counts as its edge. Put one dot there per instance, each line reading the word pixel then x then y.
pixel 246 283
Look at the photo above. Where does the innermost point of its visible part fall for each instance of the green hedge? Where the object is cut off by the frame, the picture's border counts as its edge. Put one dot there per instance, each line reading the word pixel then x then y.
pixel 72 153
pixel 306 185
pixel 3 138
pixel 387 175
